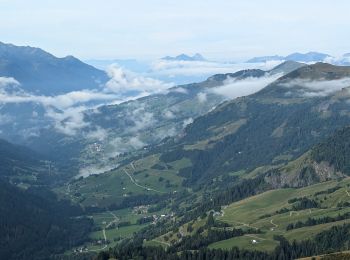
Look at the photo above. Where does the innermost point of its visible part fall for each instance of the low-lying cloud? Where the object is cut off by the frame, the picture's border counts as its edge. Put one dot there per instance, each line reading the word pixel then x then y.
pixel 7 81
pixel 94 170
pixel 98 134
pixel 195 68
pixel 141 118
pixel 66 110
pixel 187 121
pixel 202 97
pixel 123 82
pixel 312 88
pixel 233 88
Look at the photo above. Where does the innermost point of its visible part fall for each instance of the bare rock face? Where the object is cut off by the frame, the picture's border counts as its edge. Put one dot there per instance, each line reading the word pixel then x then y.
pixel 326 171
pixel 308 174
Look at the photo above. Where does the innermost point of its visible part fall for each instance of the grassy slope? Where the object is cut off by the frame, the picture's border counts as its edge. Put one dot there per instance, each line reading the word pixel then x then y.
pixel 101 220
pixel 248 211
pixel 112 187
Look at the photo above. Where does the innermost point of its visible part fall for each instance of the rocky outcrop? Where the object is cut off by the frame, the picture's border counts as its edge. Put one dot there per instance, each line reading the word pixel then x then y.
pixel 306 174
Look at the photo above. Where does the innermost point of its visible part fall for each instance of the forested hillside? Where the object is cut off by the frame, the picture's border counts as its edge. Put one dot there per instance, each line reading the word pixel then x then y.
pixel 270 127
pixel 35 225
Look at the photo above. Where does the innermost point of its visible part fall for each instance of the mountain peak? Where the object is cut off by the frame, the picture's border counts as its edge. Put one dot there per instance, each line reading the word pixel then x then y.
pixel 8 49
pixel 310 56
pixel 304 82
pixel 286 67
pixel 265 59
pixel 185 57
pixel 41 72
pixel 320 71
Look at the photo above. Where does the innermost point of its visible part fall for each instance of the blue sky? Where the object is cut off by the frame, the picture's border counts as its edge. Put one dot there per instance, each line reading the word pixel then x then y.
pixel 219 29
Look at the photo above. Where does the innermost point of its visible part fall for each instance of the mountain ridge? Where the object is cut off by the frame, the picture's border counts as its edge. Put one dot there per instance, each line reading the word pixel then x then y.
pixel 41 72
pixel 185 57
pixel 297 56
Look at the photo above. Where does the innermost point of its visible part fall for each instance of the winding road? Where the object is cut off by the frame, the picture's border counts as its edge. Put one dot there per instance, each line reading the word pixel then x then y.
pixel 115 220
pixel 247 225
pixel 138 185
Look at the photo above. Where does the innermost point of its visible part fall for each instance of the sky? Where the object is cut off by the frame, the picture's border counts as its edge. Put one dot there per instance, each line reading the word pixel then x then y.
pixel 147 29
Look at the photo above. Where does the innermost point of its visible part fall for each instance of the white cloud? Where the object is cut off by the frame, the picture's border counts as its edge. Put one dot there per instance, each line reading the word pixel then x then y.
pixel 169 114
pixel 69 121
pixel 119 145
pixel 123 82
pixel 94 170
pixel 18 95
pixel 179 90
pixel 98 134
pixel 163 133
pixel 66 110
pixel 136 143
pixel 237 88
pixel 187 122
pixel 141 118
pixel 5 119
pixel 338 60
pixel 208 68
pixel 6 81
pixel 317 87
pixel 202 97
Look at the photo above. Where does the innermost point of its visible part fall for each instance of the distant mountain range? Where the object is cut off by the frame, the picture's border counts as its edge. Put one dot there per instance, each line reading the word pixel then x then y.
pixel 185 57
pixel 42 73
pixel 345 59
pixel 265 59
pixel 300 57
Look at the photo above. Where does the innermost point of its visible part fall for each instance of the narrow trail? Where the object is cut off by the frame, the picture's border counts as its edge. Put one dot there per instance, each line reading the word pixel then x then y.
pixel 271 221
pixel 295 212
pixel 115 220
pixel 347 193
pixel 104 235
pixel 247 225
pixel 138 185
pixel 68 189
pixel 181 231
pixel 68 192
pixel 97 250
